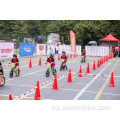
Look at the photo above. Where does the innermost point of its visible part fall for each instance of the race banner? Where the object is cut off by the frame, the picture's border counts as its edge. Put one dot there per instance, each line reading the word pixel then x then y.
pixel 26 49
pixel 97 50
pixel 40 49
pixel 6 50
pixel 72 41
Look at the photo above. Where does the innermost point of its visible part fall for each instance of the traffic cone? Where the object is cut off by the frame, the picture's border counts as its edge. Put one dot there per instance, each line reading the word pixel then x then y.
pixel 39 61
pixel 55 87
pixel 77 54
pixel 30 64
pixel 67 56
pixel 111 81
pixel 47 57
pixel 74 55
pixel 98 64
pixel 70 55
pixel 106 58
pixel 10 97
pixel 37 92
pixel 94 66
pixel 102 60
pixel 69 76
pixel 58 57
pixel 88 70
pixel 80 72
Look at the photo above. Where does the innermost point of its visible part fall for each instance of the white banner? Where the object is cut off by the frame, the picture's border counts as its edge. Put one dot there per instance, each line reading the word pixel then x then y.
pixel 50 48
pixel 97 50
pixel 6 50
pixel 67 49
pixel 40 49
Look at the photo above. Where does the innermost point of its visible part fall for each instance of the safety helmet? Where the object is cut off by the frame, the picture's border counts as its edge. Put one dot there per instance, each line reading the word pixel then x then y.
pixel 63 52
pixel 52 54
pixel 14 55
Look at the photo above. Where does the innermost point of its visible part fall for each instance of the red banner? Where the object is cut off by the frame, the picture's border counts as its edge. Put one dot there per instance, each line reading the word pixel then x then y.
pixel 72 41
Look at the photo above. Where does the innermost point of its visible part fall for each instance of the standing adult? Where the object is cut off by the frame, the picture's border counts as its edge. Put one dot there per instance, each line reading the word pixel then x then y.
pixel 57 48
pixel 119 51
pixel 116 51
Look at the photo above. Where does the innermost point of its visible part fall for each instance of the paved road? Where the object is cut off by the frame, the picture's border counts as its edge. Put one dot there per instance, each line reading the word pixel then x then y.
pixel 88 87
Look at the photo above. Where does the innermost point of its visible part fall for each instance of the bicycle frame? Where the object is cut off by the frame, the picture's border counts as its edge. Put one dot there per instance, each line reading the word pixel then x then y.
pixel 12 65
pixel 48 65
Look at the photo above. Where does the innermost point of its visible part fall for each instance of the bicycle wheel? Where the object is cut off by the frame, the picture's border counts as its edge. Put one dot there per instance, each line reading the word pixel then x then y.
pixel 47 73
pixel 18 72
pixel 11 73
pixel 60 68
pixel 3 82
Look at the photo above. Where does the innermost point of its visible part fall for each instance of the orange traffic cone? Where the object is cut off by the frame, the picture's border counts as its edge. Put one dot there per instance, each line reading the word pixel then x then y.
pixel 104 59
pixel 98 64
pixel 111 81
pixel 39 61
pixel 67 56
pixel 58 57
pixel 55 87
pixel 37 92
pixel 88 70
pixel 10 97
pixel 69 76
pixel 80 72
pixel 70 55
pixel 94 66
pixel 74 55
pixel 30 64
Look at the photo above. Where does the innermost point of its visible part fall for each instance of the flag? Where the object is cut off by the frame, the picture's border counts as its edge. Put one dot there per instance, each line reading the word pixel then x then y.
pixel 72 41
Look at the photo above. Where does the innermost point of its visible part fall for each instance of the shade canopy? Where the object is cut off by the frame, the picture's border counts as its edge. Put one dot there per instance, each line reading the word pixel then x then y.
pixel 109 38
pixel 92 42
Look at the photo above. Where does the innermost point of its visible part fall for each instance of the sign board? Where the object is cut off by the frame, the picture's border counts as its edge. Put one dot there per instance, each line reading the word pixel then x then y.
pixel 26 49
pixel 40 49
pixel 6 50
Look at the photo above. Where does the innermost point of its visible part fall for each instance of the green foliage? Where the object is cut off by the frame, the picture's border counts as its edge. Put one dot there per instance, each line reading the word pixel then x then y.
pixel 85 30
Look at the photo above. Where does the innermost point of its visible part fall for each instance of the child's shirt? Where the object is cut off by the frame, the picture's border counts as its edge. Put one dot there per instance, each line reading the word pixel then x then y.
pixel 14 61
pixel 84 54
pixel 49 60
pixel 64 57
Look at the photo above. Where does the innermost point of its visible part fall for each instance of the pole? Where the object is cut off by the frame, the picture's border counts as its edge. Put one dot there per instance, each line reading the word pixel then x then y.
pixel 5 30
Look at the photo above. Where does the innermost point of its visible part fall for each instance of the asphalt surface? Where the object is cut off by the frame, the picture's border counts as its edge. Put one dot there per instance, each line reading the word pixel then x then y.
pixel 92 86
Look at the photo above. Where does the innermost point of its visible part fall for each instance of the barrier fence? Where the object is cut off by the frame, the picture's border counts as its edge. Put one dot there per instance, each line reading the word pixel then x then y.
pixel 97 50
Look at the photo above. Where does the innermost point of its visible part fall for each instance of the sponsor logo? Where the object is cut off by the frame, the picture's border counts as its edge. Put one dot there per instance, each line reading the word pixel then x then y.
pixel 27 49
pixel 5 50
pixel 41 47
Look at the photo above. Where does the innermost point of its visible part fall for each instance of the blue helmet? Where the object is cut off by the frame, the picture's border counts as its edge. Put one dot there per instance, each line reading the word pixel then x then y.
pixel 52 54
pixel 63 52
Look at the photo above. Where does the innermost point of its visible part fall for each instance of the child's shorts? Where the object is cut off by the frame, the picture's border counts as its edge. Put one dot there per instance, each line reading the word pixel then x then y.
pixel 16 66
pixel 1 72
pixel 52 67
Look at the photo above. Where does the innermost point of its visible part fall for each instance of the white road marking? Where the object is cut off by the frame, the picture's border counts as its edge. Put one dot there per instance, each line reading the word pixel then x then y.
pixel 43 86
pixel 40 88
pixel 83 90
pixel 31 73
pixel 21 85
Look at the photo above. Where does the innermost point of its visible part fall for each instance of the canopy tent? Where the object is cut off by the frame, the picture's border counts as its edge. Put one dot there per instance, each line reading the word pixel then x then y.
pixel 92 42
pixel 109 38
